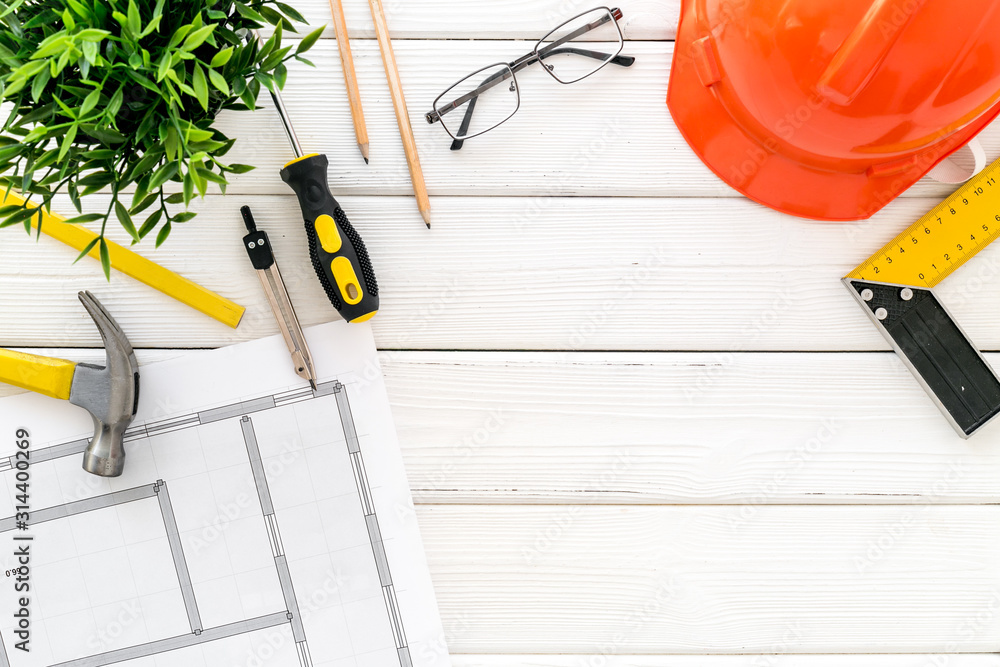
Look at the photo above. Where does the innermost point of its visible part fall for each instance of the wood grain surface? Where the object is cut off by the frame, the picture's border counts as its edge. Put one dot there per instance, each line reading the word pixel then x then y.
pixel 587 580
pixel 644 423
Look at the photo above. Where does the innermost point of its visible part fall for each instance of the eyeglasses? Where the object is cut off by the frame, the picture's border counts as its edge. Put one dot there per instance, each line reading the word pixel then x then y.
pixel 562 53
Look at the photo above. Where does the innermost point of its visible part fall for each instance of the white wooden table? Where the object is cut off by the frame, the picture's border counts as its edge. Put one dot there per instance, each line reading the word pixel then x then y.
pixel 644 422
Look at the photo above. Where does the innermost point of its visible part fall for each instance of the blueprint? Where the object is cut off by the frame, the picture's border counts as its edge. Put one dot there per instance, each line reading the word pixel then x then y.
pixel 258 523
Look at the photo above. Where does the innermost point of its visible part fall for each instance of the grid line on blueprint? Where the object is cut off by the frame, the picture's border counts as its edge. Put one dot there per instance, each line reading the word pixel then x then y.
pixel 199 634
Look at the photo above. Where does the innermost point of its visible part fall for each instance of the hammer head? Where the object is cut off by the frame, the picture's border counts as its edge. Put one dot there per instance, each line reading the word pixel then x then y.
pixel 109 393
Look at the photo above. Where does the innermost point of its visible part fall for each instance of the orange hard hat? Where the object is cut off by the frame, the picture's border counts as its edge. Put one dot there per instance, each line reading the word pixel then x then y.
pixel 830 110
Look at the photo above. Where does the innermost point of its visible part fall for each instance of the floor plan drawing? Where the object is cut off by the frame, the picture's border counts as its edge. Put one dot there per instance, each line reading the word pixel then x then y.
pixel 244 533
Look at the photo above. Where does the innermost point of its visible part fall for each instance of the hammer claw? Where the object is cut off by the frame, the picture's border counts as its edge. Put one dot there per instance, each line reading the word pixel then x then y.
pixel 112 335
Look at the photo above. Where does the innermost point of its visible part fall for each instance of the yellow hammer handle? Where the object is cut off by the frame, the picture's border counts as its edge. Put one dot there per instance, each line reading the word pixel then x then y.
pixel 140 268
pixel 45 375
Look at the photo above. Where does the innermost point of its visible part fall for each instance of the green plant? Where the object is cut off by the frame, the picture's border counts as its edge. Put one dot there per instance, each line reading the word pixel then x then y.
pixel 123 93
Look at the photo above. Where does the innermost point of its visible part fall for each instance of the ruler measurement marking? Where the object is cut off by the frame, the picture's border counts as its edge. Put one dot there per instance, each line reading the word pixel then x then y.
pixel 943 240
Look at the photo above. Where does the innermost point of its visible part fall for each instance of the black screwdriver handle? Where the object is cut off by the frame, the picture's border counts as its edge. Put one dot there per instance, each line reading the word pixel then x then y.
pixel 337 251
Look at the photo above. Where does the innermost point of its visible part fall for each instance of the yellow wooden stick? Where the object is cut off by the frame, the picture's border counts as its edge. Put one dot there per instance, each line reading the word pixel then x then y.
pixel 140 268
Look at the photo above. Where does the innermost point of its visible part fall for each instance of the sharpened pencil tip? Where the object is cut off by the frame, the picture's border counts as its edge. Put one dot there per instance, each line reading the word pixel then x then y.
pixel 312 383
pixel 364 151
pixel 426 215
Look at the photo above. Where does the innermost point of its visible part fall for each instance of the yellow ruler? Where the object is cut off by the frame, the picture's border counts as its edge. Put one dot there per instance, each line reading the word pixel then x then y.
pixel 895 289
pixel 943 240
pixel 138 267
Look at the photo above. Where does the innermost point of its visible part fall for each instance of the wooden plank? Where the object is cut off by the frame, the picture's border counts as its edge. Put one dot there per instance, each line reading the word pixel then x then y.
pixel 745 430
pixel 608 135
pixel 491 19
pixel 604 660
pixel 567 274
pixel 643 580
pixel 757 430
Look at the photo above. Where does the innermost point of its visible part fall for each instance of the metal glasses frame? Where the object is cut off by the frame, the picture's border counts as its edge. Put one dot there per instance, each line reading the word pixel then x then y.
pixel 510 70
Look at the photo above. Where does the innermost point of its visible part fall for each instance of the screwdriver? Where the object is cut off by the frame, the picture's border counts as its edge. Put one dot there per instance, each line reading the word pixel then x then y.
pixel 338 254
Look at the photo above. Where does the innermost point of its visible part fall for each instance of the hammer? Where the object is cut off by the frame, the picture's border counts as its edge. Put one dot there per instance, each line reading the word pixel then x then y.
pixel 109 393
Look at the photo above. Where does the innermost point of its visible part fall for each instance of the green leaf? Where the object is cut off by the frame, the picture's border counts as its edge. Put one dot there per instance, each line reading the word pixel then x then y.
pixel 83 219
pixel 87 248
pixel 126 220
pixel 173 76
pixel 213 177
pixel 90 102
pixel 98 178
pixel 14 88
pixel 80 9
pixel 151 27
pixel 280 75
pixel 176 198
pixel 185 216
pixel 144 204
pixel 200 182
pixel 222 57
pixel 240 168
pixel 28 70
pixel 200 86
pixel 188 188
pixel 91 35
pixel 219 82
pixel 162 175
pixel 54 47
pixel 67 140
pixel 100 154
pixel 164 233
pixel 38 85
pixel 178 36
pixel 196 38
pixel 115 103
pixel 273 17
pixel 91 52
pixel 171 144
pixel 134 24
pixel 68 21
pixel 150 223
pixel 162 67
pixel 105 135
pixel 105 258
pixel 291 12
pixel 308 41
pixel 147 162
pixel 248 13
pixel 265 79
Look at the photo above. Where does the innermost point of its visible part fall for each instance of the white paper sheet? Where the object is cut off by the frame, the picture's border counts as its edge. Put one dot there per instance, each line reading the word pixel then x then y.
pixel 257 522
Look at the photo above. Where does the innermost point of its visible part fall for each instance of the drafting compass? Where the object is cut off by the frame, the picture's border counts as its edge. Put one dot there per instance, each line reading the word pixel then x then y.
pixel 258 247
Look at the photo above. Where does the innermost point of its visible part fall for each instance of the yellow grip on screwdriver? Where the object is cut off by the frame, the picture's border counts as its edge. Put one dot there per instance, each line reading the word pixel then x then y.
pixel 44 375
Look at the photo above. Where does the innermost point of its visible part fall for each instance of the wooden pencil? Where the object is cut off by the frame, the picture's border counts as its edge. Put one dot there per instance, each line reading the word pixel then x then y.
pixel 402 116
pixel 350 76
